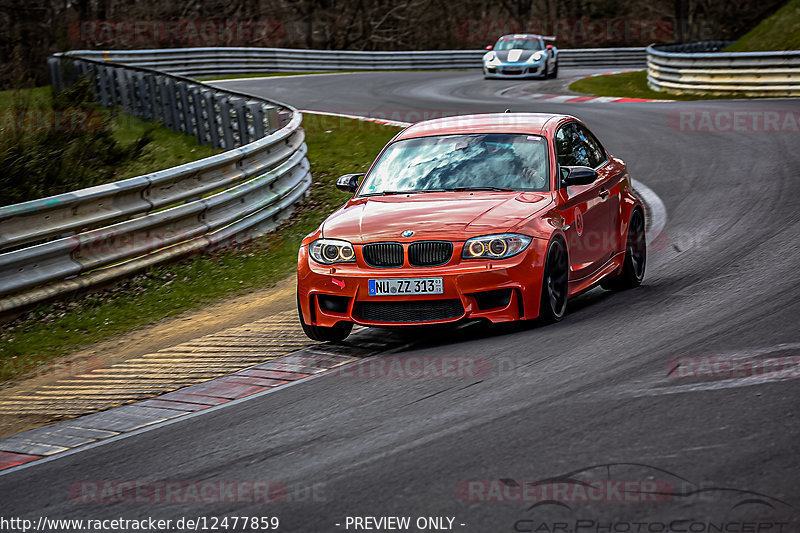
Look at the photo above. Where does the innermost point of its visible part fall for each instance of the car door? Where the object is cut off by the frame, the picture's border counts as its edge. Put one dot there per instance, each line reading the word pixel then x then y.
pixel 609 177
pixel 583 207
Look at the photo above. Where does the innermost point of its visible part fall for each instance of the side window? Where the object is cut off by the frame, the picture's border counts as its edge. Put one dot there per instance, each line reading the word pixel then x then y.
pixel 595 152
pixel 571 150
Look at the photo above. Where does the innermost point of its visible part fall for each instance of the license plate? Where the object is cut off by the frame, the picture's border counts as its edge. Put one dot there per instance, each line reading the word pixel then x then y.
pixel 393 287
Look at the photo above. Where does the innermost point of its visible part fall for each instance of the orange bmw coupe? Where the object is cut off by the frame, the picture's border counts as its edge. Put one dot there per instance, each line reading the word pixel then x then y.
pixel 499 217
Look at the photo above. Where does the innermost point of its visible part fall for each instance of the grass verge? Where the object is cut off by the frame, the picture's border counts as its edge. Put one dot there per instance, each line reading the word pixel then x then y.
pixel 780 31
pixel 35 339
pixel 634 85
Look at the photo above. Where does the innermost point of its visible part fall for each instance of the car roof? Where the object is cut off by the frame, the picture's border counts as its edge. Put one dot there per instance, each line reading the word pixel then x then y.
pixel 520 36
pixel 532 123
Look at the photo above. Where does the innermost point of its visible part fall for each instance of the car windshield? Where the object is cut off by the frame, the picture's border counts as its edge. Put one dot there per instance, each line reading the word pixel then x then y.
pixel 518 44
pixel 495 161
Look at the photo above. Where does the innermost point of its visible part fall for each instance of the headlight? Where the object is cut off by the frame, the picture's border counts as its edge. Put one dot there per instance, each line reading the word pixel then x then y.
pixel 538 56
pixel 491 57
pixel 329 251
pixel 495 246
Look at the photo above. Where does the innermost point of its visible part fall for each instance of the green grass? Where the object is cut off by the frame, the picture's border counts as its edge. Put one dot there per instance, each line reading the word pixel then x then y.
pixel 633 85
pixel 166 149
pixel 780 31
pixel 335 147
pixel 39 97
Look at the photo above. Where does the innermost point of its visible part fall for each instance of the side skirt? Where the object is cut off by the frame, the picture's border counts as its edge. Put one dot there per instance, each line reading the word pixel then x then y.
pixel 578 286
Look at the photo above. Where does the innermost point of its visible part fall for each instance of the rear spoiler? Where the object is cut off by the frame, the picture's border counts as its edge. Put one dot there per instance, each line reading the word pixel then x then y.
pixel 549 38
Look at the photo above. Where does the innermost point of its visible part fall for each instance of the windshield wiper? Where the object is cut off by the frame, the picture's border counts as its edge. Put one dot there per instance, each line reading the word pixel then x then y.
pixel 481 189
pixel 410 191
pixel 383 193
pixel 414 191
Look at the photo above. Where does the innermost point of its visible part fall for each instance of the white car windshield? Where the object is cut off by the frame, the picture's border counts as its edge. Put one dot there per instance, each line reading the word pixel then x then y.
pixel 483 161
pixel 518 44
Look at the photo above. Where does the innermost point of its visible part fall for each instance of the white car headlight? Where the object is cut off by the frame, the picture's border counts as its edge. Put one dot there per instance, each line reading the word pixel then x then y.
pixel 538 56
pixel 495 246
pixel 330 251
pixel 491 57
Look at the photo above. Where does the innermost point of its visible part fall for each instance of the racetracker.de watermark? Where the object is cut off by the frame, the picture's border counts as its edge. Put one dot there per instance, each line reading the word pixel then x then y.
pixel 565 30
pixel 734 121
pixel 177 32
pixel 734 367
pixel 49 121
pixel 572 491
pixel 109 492
pixel 15 366
pixel 416 367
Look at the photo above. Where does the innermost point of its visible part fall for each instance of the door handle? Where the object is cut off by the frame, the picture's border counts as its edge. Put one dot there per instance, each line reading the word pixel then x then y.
pixel 603 194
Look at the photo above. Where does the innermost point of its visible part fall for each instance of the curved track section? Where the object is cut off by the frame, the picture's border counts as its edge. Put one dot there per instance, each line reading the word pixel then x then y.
pixel 602 387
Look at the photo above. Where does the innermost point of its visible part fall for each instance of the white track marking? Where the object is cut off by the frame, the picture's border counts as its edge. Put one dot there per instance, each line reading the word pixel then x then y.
pixel 655 207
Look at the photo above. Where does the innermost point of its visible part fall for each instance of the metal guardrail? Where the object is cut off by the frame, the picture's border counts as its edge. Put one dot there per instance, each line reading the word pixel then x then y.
pixel 700 68
pixel 199 62
pixel 79 239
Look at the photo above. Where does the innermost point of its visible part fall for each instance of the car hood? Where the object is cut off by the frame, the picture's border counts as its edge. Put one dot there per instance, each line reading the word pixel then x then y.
pixel 432 216
pixel 516 55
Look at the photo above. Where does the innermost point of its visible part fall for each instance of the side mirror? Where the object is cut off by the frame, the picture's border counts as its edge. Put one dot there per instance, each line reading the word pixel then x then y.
pixel 549 47
pixel 348 182
pixel 577 176
pixel 490 47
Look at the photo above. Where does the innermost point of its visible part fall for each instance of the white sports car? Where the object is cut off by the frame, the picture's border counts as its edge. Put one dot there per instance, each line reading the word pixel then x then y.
pixel 521 56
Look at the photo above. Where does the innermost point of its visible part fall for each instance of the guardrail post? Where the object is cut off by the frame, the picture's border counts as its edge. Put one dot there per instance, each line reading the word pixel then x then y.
pixel 143 91
pixel 241 121
pixel 54 65
pixel 209 100
pixel 152 97
pixel 168 102
pixel 135 93
pixel 200 123
pixel 256 110
pixel 226 122
pixel 271 119
pixel 102 85
pixel 78 70
pixel 183 109
pixel 124 89
pixel 113 90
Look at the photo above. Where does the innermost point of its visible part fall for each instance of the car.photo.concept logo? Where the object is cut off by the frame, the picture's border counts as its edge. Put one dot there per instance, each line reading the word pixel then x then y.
pixel 628 498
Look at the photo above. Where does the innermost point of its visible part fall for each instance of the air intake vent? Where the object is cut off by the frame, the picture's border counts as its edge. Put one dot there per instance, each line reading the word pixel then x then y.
pixel 419 311
pixel 430 253
pixel 383 254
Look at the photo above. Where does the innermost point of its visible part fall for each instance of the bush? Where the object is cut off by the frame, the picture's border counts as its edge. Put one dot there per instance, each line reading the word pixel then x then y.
pixel 60 145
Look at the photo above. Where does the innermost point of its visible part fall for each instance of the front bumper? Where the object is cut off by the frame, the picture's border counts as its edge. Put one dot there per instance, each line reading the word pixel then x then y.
pixel 496 290
pixel 515 70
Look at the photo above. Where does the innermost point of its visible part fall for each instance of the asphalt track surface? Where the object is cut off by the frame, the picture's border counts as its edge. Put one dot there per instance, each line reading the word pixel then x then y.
pixel 557 400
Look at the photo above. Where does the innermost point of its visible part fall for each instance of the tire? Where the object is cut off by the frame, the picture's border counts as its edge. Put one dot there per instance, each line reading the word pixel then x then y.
pixel 554 75
pixel 555 283
pixel 337 333
pixel 633 266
